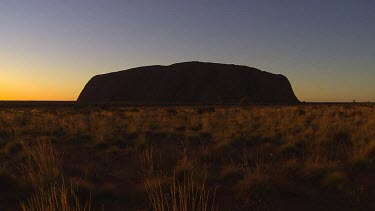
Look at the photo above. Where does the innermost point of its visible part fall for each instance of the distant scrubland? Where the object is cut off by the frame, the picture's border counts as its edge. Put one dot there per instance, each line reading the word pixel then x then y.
pixel 251 157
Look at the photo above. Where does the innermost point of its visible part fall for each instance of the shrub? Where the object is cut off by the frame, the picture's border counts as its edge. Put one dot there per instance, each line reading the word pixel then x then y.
pixel 180 128
pixel 14 147
pixel 294 148
pixel 313 173
pixel 231 173
pixel 101 145
pixel 252 193
pixel 293 167
pixel 244 101
pixel 84 187
pixel 196 128
pixel 105 192
pixel 359 164
pixel 7 180
pixel 289 149
pixel 335 179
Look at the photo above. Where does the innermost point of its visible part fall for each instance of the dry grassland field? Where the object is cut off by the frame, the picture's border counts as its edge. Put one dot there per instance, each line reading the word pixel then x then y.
pixel 253 157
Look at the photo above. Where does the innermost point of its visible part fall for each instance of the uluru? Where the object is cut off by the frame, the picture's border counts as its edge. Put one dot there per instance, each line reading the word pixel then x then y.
pixel 189 83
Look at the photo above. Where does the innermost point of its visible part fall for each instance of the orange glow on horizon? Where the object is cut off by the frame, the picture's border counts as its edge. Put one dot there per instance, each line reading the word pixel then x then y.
pixel 37 83
pixel 35 95
pixel 28 91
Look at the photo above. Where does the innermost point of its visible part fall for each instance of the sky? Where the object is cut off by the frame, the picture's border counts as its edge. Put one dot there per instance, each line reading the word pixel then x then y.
pixel 49 49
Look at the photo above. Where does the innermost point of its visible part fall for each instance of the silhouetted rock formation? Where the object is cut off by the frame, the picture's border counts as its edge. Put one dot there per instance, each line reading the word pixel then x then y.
pixel 189 83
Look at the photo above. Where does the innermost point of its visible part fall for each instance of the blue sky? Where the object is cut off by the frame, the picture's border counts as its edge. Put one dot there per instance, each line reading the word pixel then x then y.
pixel 50 49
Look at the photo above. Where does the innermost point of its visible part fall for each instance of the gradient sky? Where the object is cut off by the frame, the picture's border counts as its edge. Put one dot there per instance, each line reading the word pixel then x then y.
pixel 49 49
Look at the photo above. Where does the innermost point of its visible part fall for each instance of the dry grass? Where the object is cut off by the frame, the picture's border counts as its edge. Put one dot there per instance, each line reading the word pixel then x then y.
pixel 56 198
pixel 189 194
pixel 146 160
pixel 42 169
pixel 42 166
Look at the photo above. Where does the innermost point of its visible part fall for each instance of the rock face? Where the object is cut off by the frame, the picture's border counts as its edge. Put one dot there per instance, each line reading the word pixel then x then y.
pixel 189 83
